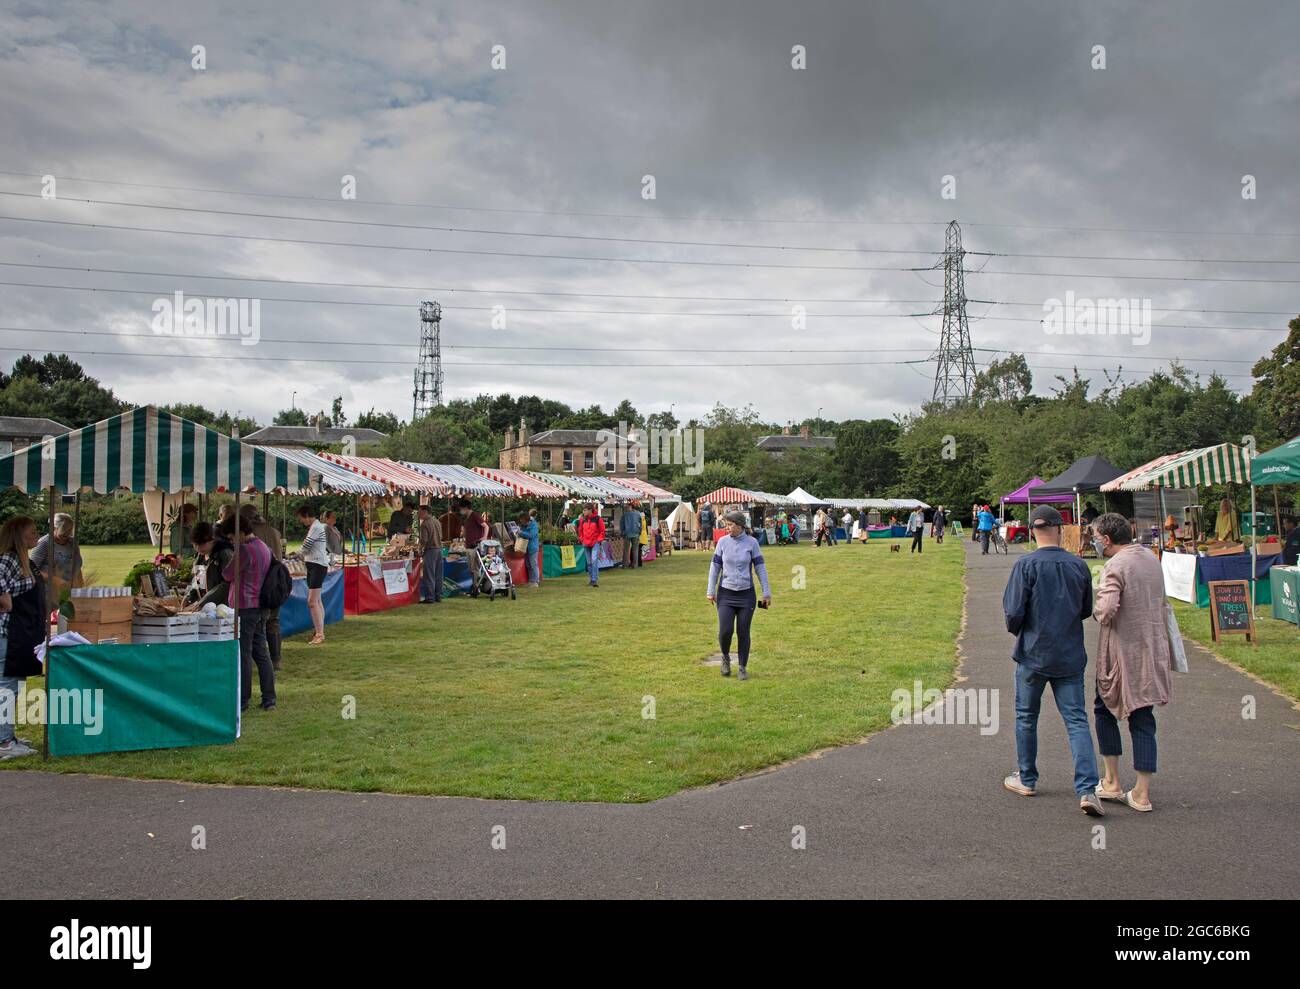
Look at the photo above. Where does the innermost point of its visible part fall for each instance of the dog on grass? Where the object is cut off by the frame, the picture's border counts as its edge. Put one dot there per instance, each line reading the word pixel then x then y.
pixel 894 548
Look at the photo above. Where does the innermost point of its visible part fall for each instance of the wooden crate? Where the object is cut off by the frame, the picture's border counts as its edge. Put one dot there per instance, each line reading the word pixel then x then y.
pixel 99 631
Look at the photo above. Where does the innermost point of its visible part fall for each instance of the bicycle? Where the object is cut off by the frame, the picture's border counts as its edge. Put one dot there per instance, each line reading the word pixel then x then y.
pixel 997 540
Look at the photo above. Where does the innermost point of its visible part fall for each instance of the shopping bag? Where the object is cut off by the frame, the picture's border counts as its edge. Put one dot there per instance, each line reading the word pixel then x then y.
pixel 1176 651
pixel 521 545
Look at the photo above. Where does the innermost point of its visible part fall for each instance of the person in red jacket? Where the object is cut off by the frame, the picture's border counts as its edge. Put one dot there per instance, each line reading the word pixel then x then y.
pixel 591 533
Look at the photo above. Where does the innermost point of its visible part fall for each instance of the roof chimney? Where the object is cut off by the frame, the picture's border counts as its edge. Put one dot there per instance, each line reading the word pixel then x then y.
pixel 510 438
pixel 805 431
pixel 785 430
pixel 523 431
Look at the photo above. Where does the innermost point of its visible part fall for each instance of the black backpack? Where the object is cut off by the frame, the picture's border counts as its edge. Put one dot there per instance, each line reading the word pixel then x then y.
pixel 277 586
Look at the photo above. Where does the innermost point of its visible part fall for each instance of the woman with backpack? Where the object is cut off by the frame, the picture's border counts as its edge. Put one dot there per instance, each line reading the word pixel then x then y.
pixel 255 562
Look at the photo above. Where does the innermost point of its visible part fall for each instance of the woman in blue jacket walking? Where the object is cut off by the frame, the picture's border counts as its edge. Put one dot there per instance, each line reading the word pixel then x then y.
pixel 731 587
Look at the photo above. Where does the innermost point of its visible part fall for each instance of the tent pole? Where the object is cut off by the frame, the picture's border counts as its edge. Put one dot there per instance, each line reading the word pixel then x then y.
pixel 45 735
pixel 1254 551
pixel 1277 514
pixel 234 588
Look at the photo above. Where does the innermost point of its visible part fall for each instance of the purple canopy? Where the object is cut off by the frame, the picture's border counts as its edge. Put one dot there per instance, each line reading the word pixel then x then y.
pixel 1021 496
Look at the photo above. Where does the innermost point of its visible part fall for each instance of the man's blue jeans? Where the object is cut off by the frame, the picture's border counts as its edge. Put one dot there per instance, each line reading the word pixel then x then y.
pixel 1069 695
pixel 593 569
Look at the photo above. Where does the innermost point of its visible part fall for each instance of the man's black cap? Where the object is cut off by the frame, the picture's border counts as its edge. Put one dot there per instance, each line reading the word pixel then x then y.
pixel 1045 515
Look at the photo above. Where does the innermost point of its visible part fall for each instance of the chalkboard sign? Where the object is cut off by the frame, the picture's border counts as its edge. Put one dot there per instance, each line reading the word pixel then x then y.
pixel 771 535
pixel 1230 609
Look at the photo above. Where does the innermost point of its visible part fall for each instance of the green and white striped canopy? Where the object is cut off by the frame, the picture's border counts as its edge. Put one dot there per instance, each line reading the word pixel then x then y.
pixel 1207 466
pixel 148 450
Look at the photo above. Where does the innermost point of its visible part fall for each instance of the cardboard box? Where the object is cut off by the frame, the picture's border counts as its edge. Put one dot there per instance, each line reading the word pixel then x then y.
pixel 99 631
pixel 103 611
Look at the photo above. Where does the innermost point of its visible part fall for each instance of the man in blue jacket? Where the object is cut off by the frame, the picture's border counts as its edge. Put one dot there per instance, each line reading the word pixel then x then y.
pixel 630 528
pixel 1047 598
pixel 985 523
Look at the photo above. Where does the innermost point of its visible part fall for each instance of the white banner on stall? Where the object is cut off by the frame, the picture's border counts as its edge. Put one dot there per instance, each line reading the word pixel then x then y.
pixel 1180 576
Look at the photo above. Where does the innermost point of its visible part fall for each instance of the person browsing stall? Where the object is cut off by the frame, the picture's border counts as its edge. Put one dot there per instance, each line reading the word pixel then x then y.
pixel 591 533
pixel 315 554
pixel 474 529
pixel 430 533
pixel 731 588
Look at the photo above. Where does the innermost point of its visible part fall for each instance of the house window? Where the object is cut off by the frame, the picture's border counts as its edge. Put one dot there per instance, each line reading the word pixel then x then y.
pixel 631 461
pixel 568 461
pixel 588 461
pixel 546 460
pixel 609 462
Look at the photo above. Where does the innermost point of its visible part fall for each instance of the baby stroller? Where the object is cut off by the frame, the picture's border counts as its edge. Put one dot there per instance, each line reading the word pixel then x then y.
pixel 494 573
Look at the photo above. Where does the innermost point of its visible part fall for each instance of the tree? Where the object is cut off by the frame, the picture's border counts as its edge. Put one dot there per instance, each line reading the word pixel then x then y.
pixel 57 388
pixel 1008 380
pixel 222 422
pixel 290 417
pixel 1277 385
pixel 626 412
pixel 865 460
pixel 716 474
pixel 337 416
pixel 384 422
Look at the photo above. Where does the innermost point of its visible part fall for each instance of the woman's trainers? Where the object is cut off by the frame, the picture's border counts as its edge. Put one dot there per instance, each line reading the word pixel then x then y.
pixel 15 750
pixel 1013 784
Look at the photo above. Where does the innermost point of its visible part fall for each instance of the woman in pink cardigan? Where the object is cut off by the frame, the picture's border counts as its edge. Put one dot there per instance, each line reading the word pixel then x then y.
pixel 1134 657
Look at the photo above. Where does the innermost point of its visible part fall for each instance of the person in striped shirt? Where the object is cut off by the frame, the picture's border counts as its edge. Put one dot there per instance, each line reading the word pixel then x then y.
pixel 731 588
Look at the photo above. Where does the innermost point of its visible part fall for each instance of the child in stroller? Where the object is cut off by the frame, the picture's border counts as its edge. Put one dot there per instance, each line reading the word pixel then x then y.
pixel 494 572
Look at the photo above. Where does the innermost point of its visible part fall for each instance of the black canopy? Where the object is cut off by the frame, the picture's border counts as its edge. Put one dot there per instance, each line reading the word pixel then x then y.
pixel 1085 474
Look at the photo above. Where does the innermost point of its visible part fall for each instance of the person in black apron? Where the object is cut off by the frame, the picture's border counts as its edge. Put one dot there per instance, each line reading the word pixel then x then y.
pixel 26 630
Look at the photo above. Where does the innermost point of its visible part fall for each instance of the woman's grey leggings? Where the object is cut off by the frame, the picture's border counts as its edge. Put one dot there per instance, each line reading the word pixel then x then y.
pixel 735 608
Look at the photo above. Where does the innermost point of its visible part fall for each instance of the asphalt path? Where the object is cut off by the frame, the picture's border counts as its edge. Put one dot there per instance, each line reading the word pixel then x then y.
pixel 914 811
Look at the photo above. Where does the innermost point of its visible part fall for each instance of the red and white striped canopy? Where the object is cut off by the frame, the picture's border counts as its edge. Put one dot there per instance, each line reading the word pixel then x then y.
pixel 729 496
pixel 523 484
pixel 644 488
pixel 391 473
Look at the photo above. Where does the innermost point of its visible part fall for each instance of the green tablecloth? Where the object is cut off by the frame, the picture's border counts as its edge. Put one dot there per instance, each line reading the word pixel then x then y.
pixel 1284 582
pixel 552 567
pixel 157 696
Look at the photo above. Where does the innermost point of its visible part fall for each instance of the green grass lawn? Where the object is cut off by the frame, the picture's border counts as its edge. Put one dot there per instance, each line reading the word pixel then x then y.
pixel 543 698
pixel 1275 660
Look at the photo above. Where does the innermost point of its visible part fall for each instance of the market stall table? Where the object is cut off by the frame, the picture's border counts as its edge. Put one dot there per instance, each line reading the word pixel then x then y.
pixel 380 585
pixel 294 616
pixel 1235 566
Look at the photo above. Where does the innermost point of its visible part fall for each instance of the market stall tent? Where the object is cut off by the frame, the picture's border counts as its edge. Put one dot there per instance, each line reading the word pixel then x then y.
pixel 645 489
pixel 463 482
pixel 333 477
pixel 523 484
pixel 166 695
pixel 396 477
pixel 1280 465
pixel 147 449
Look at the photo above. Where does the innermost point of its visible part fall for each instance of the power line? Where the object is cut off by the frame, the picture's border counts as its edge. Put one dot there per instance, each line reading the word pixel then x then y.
pixel 469 230
pixel 659 217
pixel 784 349
pixel 612 312
pixel 630 240
pixel 457 250
pixel 615 260
pixel 382 286
pixel 563 365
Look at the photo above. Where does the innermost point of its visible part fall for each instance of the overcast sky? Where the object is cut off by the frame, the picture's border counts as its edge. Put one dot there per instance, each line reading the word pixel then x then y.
pixel 849 153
